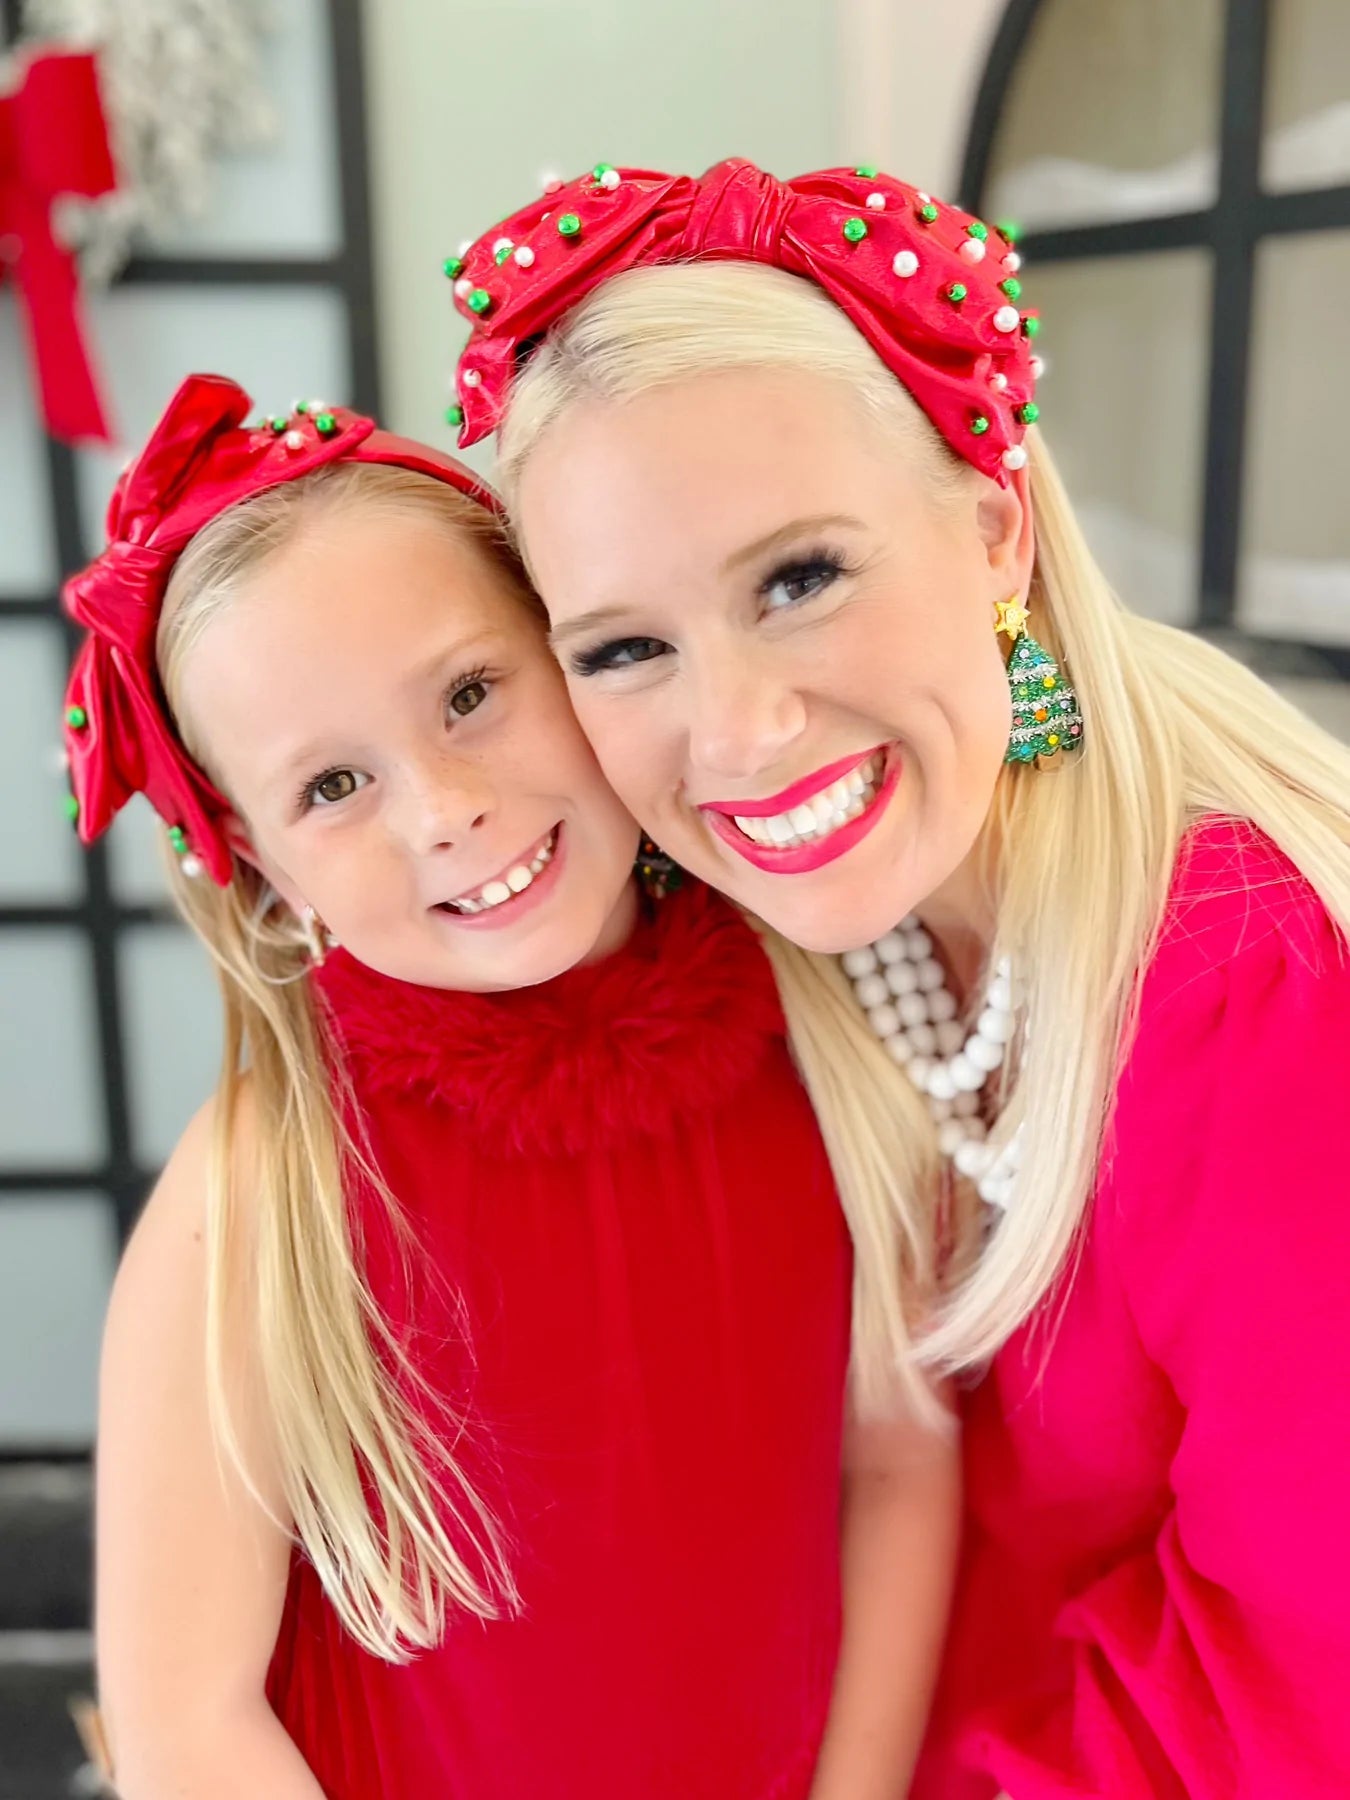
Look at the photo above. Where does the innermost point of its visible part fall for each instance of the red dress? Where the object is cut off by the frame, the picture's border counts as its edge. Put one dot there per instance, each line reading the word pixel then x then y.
pixel 1156 1599
pixel 635 1285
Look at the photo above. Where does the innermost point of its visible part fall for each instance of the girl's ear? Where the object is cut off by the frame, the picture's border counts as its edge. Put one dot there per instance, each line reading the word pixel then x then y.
pixel 237 836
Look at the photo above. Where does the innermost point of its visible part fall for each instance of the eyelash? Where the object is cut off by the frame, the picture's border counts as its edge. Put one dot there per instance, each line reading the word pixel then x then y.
pixel 306 798
pixel 801 567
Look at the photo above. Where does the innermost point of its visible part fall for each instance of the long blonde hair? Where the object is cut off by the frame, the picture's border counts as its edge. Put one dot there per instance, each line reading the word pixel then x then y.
pixel 1080 863
pixel 396 1532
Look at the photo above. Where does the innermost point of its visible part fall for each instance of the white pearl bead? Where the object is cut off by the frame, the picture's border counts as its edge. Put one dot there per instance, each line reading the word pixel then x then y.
pixel 951 1033
pixel 983 1054
pixel 901 979
pixel 968 1077
pixel 997 1193
pixel 918 944
pixel 191 866
pixel 472 378
pixel 999 994
pixel 871 990
pixel 884 1020
pixel 930 976
pixel 524 256
pixel 951 1136
pixel 294 440
pixel 905 264
pixel 1012 262
pixel 913 1009
pixel 972 1159
pixel 1007 318
pixel 923 1038
pixel 877 202
pixel 998 381
pixel 995 1023
pixel 501 246
pixel 1016 457
pixel 610 179
pixel 973 250
pixel 463 287
pixel 924 199
pixel 891 948
pixel 466 244
pixel 1037 367
pixel 941 1005
pixel 967 1105
pixel 900 1048
pixel 859 962
pixel 940 1084
pixel 918 1071
pixel 940 1109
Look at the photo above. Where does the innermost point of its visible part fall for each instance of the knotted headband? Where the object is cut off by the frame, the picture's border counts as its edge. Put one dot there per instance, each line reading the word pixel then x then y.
pixel 934 290
pixel 200 459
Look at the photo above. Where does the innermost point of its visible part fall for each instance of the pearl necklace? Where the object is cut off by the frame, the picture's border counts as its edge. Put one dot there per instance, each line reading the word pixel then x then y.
pixel 901 988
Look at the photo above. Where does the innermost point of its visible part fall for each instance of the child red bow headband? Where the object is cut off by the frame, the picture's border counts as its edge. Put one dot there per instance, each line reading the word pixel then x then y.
pixel 932 289
pixel 200 459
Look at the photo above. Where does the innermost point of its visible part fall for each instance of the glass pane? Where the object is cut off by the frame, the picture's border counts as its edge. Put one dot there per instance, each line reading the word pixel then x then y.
pixel 281 199
pixel 51 1112
pixel 1307 124
pixel 135 859
pixel 172 1012
pixel 57 1255
pixel 27 544
pixel 1123 407
pixel 1112 113
pixel 39 858
pixel 279 342
pixel 1294 579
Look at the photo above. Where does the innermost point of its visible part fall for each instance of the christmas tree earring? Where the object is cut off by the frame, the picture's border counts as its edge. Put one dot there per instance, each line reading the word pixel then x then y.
pixel 1046 717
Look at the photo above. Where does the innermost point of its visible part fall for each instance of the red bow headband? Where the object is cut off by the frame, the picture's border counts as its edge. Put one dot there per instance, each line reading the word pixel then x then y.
pixel 200 459
pixel 932 289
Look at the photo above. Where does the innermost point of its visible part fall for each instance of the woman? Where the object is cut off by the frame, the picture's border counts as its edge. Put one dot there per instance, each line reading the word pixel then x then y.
pixel 770 453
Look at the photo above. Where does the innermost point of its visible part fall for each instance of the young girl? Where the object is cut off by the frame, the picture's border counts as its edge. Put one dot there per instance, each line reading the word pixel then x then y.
pixel 473 1412
pixel 1121 868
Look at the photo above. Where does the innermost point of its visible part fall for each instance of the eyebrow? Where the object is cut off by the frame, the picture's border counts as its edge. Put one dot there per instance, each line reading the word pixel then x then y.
pixel 748 553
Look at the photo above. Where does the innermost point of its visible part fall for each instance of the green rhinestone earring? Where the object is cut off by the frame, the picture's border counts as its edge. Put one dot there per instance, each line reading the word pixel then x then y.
pixel 1046 716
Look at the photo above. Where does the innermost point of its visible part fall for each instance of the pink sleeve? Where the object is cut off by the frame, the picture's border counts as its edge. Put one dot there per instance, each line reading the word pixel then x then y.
pixel 1217 1665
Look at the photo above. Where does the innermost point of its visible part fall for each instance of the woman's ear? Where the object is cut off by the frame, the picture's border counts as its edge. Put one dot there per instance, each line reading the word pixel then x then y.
pixel 1007 530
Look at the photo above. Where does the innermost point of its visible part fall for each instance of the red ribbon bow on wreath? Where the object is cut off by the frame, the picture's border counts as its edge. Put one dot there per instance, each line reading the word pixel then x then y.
pixel 53 141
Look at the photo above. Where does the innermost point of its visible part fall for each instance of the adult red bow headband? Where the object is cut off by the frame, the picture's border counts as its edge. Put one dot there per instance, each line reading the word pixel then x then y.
pixel 932 289
pixel 200 459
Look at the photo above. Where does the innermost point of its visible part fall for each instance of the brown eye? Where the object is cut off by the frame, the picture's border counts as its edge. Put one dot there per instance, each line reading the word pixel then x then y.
pixel 468 698
pixel 336 786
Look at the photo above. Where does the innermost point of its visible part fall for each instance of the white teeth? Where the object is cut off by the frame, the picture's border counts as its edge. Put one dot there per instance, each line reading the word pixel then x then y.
pixel 506 887
pixel 824 813
pixel 495 892
pixel 519 878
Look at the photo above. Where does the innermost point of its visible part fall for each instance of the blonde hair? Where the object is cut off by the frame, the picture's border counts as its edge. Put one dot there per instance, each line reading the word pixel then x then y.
pixel 1080 863
pixel 393 1527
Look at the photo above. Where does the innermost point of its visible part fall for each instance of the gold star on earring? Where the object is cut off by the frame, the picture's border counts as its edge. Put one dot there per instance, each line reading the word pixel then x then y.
pixel 1012 617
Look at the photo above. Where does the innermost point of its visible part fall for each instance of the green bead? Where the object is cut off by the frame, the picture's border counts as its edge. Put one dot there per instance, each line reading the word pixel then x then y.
pixel 178 838
pixel 452 266
pixel 71 807
pixel 976 230
pixel 956 293
pixel 302 406
pixel 454 414
pixel 855 230
pixel 1031 325
pixel 569 225
pixel 325 424
pixel 76 717
pixel 867 171
pixel 928 213
pixel 979 425
pixel 600 170
pixel 280 422
pixel 500 256
pixel 1012 287
pixel 1029 413
pixel 1009 229
pixel 479 300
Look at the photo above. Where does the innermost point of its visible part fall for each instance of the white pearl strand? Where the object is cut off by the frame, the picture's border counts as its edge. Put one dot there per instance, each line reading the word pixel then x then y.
pixel 900 986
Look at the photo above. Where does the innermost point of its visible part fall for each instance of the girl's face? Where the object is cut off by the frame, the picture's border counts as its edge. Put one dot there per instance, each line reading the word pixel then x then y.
pixel 384 711
pixel 780 642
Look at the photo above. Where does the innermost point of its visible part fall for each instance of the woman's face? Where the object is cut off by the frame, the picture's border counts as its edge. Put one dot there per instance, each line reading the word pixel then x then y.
pixel 779 639
pixel 382 707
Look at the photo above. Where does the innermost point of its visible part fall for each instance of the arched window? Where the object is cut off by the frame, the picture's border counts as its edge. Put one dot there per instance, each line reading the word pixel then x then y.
pixel 1181 174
